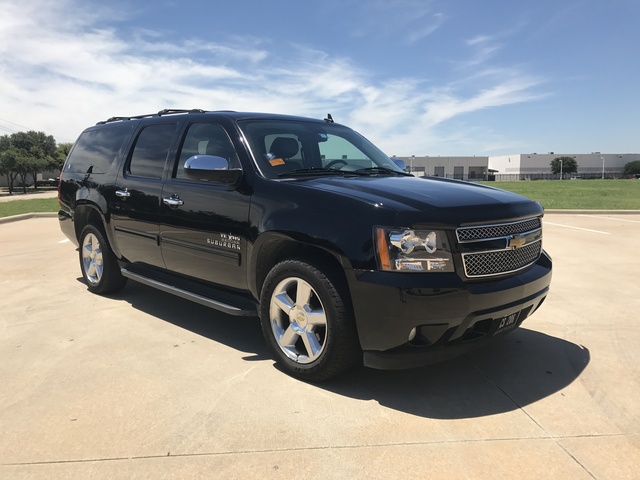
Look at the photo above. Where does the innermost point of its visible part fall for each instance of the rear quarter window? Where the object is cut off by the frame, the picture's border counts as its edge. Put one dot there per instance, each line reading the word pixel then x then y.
pixel 96 150
pixel 151 150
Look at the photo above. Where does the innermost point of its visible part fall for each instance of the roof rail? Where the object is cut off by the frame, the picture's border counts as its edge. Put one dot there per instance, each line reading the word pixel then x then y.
pixel 166 111
pixel 169 111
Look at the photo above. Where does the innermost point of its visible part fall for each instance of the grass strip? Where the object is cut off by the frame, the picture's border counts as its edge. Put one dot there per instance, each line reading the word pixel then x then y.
pixel 578 194
pixel 552 194
pixel 35 205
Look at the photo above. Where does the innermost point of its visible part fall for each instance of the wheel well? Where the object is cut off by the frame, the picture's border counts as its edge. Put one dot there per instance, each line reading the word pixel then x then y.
pixel 278 250
pixel 85 215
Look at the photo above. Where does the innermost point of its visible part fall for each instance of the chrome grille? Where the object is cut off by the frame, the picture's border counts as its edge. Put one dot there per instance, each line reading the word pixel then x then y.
pixel 500 261
pixel 486 232
pixel 522 247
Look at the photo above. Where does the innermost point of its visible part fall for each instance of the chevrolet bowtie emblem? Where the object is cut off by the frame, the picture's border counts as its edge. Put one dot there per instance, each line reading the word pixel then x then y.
pixel 516 241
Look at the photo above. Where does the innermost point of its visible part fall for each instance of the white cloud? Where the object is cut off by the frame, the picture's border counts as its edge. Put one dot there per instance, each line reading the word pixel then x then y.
pixel 483 47
pixel 427 28
pixel 63 68
pixel 410 20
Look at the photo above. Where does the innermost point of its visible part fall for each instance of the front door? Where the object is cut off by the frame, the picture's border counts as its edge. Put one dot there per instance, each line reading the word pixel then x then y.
pixel 204 226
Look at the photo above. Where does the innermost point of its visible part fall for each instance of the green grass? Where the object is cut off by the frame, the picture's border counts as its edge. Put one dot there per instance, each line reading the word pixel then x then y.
pixel 18 207
pixel 578 194
pixel 552 194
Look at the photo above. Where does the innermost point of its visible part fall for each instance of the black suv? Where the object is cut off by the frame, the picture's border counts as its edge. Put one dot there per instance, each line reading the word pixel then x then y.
pixel 343 255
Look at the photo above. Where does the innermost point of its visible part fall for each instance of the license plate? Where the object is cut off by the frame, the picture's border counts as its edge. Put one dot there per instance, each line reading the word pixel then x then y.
pixel 505 323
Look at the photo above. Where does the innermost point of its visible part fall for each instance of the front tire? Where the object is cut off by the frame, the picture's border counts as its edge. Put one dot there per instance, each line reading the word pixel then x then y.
pixel 306 322
pixel 98 263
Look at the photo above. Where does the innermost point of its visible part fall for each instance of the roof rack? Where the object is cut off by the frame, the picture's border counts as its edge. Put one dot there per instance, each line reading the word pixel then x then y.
pixel 166 111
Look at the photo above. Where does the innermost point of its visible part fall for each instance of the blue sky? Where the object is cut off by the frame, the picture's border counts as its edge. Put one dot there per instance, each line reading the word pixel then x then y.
pixel 457 77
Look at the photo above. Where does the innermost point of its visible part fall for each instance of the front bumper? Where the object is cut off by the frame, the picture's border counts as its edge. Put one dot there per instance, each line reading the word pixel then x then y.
pixel 449 315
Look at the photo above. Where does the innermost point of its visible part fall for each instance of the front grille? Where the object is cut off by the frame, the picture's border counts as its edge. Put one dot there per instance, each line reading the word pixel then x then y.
pixel 500 261
pixel 482 257
pixel 486 232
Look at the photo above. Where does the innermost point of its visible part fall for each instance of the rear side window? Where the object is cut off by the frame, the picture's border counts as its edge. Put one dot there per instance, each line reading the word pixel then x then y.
pixel 151 150
pixel 96 150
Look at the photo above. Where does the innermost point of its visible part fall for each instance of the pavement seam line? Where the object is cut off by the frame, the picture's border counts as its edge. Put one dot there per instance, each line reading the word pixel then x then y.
pixel 305 449
pixel 521 408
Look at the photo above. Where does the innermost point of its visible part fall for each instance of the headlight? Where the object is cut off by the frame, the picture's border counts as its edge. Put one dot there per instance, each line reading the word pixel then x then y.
pixel 408 250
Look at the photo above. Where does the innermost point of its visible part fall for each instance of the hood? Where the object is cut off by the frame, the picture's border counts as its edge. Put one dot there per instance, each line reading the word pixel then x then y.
pixel 411 197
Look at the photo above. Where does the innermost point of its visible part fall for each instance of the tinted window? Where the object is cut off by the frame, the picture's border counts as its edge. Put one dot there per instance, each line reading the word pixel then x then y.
pixel 151 150
pixel 206 139
pixel 98 149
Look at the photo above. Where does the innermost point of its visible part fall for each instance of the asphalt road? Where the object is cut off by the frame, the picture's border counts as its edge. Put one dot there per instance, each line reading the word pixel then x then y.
pixel 146 385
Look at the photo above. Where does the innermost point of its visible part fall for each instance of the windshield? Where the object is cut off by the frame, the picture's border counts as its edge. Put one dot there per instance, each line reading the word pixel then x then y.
pixel 284 148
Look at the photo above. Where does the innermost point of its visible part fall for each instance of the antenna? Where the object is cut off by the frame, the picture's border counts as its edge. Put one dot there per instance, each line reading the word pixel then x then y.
pixel 329 118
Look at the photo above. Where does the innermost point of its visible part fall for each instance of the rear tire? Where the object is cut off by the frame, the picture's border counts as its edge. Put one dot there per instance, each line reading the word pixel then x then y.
pixel 306 322
pixel 98 263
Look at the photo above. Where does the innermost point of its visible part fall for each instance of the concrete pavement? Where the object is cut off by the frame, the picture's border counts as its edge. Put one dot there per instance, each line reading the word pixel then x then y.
pixel 146 385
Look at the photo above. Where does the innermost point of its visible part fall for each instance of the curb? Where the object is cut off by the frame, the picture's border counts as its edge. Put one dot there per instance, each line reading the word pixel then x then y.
pixel 594 212
pixel 27 216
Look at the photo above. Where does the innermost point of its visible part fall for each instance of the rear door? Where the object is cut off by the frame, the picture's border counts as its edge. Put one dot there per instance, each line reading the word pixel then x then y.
pixel 135 201
pixel 204 224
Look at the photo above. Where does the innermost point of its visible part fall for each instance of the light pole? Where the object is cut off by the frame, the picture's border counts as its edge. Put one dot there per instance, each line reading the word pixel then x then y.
pixel 602 158
pixel 411 167
pixel 560 168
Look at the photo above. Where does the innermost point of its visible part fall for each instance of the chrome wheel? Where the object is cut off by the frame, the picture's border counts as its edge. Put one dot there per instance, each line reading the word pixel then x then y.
pixel 298 320
pixel 92 261
pixel 98 263
pixel 306 324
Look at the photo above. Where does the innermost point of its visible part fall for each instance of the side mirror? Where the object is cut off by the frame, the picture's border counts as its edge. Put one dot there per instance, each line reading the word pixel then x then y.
pixel 210 168
pixel 400 163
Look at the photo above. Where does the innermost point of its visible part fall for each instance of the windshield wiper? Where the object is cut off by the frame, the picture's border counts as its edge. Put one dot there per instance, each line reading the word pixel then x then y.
pixel 382 170
pixel 361 172
pixel 303 172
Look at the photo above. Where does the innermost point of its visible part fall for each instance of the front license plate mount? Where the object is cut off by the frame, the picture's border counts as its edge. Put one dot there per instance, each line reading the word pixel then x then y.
pixel 504 324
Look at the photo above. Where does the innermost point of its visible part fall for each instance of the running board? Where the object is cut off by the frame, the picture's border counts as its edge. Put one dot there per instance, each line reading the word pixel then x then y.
pixel 246 310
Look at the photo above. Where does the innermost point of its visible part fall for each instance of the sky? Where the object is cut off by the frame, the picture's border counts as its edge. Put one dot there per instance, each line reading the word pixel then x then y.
pixel 417 77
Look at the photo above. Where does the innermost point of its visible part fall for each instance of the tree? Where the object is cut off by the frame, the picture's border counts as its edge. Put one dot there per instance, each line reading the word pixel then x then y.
pixel 62 151
pixel 10 159
pixel 38 150
pixel 26 153
pixel 632 168
pixel 564 165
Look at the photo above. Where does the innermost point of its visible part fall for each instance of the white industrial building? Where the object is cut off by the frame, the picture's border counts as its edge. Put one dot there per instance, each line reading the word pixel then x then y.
pixel 520 166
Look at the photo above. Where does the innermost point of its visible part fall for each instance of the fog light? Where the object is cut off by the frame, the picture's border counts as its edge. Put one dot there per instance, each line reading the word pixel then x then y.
pixel 412 334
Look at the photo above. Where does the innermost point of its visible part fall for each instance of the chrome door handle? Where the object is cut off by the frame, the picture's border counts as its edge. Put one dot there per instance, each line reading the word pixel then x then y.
pixel 123 193
pixel 173 201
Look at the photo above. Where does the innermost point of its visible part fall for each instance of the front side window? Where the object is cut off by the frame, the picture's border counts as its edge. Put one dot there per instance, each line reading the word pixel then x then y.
pixel 151 150
pixel 205 139
pixel 297 147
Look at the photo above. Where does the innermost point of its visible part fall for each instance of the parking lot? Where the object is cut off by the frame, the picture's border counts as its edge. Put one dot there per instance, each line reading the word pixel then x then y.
pixel 147 385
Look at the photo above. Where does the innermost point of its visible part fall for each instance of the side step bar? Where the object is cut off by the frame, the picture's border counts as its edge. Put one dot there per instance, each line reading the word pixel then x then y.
pixel 245 310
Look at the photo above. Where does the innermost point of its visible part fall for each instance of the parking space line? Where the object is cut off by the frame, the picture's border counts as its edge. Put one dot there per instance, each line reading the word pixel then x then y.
pixel 577 228
pixel 609 218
